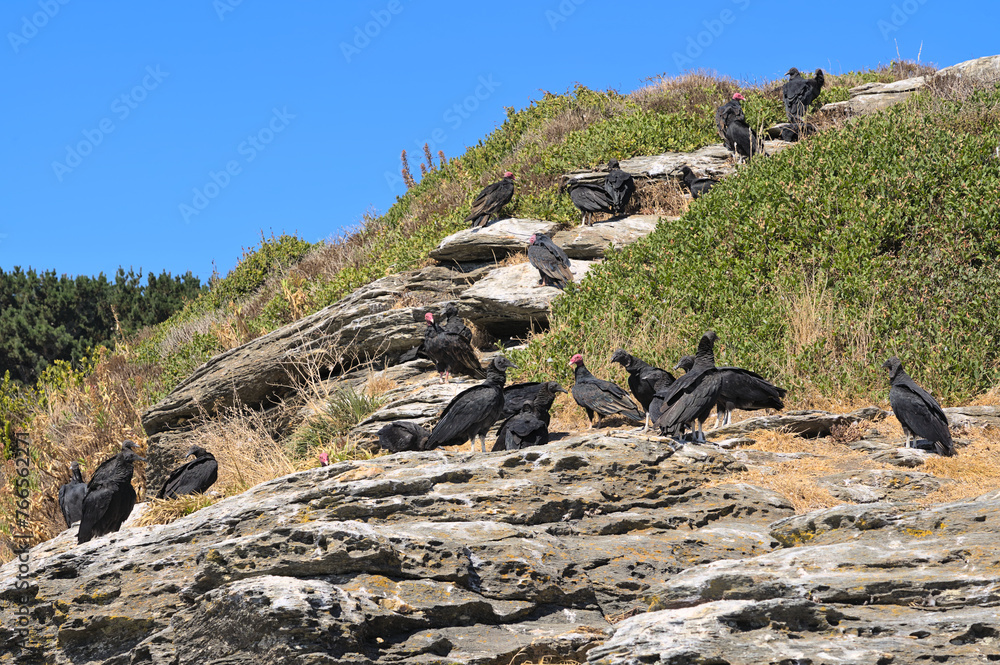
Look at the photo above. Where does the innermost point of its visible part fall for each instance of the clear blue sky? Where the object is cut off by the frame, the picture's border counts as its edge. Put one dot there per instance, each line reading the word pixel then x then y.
pixel 115 112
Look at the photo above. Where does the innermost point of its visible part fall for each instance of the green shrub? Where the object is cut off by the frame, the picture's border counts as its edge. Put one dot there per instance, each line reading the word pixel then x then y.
pixel 816 264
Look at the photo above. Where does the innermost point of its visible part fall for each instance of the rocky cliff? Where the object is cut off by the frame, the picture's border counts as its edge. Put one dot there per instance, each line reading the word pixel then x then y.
pixel 608 547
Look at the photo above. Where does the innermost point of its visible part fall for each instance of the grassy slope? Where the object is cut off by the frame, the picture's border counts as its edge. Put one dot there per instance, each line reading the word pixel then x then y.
pixel 792 254
pixel 816 264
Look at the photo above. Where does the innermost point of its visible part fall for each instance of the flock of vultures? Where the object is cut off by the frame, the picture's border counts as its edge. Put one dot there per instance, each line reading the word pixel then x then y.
pixel 676 406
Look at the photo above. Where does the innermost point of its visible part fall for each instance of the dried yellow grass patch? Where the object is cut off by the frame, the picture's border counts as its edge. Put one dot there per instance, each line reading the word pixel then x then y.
pixel 514 259
pixel 796 479
pixel 991 398
pixel 165 511
pixel 976 468
pixel 379 384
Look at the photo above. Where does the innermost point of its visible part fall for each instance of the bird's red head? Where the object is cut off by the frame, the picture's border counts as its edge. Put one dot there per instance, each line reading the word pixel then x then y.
pixel 508 174
pixel 429 318
pixel 324 459
pixel 738 96
pixel 532 239
pixel 575 359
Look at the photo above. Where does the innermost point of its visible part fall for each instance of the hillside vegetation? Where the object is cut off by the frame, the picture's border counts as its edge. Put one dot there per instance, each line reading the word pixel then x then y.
pixel 877 236
pixel 813 266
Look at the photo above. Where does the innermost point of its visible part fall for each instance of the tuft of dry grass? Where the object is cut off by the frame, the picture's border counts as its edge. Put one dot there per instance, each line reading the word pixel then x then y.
pixel 165 511
pixel 514 259
pixel 975 469
pixel 796 479
pixel 660 197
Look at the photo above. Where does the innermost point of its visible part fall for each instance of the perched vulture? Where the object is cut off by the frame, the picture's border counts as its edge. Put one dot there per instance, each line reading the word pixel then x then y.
pixel 516 394
pixel 619 186
pixel 491 200
pixel 589 199
pixel 919 413
pixel 692 396
pixel 538 407
pixel 698 186
pixel 661 389
pixel 550 261
pixel 110 496
pixel 402 435
pixel 741 389
pixel 472 412
pixel 194 477
pixel 642 378
pixel 601 397
pixel 453 323
pixel 745 142
pixel 450 351
pixel 798 93
pixel 71 495
pixel 725 114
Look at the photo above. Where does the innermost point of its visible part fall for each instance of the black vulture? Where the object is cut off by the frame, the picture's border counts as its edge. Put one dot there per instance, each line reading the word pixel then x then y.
pixel 540 403
pixel 472 412
pixel 523 430
pixel 660 390
pixel 589 199
pixel 642 378
pixel 71 495
pixel 195 477
pixel 798 93
pixel 740 389
pixel 698 186
pixel 453 323
pixel 919 413
pixel 601 397
pixel 110 496
pixel 745 141
pixel 692 396
pixel 619 186
pixel 516 394
pixel 725 114
pixel 550 261
pixel 450 351
pixel 491 200
pixel 402 435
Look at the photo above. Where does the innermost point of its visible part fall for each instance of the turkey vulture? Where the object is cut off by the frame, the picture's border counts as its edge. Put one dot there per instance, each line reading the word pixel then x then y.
pixel 601 397
pixel 110 496
pixel 642 378
pixel 491 200
pixel 402 435
pixel 692 396
pixel 450 351
pixel 731 110
pixel 740 389
pixel 550 261
pixel 194 477
pixel 619 186
pixel 540 404
pixel 698 186
pixel 798 93
pixel 71 495
pixel 919 413
pixel 472 412
pixel 589 199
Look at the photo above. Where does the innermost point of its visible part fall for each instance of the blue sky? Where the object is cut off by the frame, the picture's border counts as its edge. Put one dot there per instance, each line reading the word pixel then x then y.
pixel 167 135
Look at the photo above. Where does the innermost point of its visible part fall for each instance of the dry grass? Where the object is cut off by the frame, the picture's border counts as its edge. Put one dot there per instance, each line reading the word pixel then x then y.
pixel 165 511
pixel 688 93
pixel 975 469
pixel 514 259
pixel 660 197
pixel 796 479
